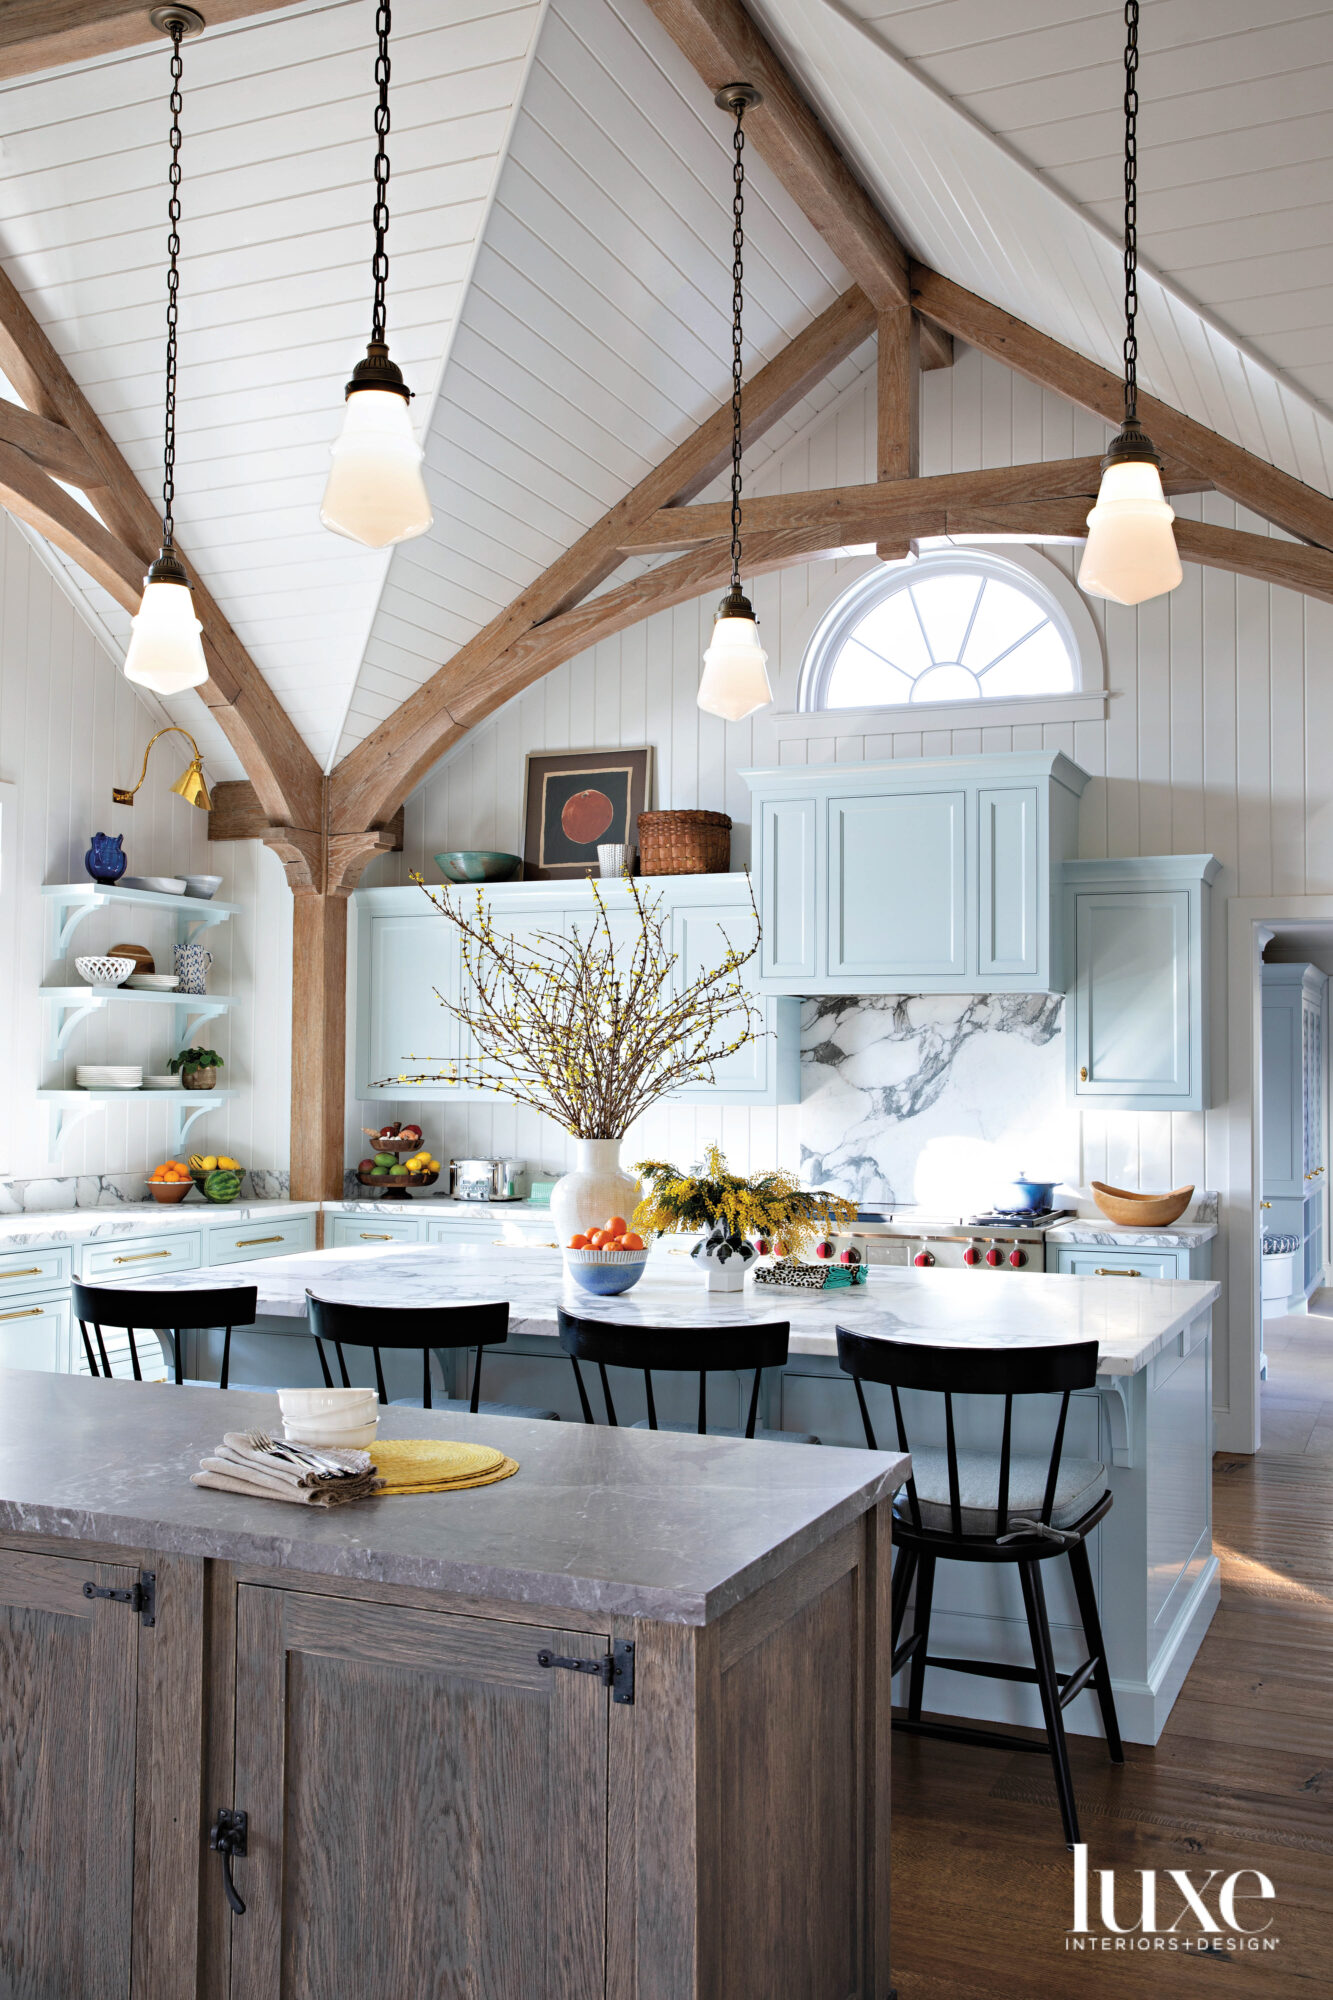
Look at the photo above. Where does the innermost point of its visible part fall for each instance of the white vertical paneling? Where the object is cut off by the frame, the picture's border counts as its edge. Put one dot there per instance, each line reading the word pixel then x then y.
pixel 71 727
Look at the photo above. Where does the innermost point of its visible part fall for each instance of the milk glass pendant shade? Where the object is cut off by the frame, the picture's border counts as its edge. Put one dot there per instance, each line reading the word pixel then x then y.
pixel 375 492
pixel 166 652
pixel 735 678
pixel 1131 552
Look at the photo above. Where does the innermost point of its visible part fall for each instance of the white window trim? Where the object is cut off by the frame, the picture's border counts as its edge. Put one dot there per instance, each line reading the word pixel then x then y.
pixel 843 602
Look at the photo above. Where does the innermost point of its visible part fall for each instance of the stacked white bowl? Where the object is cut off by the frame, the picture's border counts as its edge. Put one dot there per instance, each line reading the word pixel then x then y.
pixel 343 1417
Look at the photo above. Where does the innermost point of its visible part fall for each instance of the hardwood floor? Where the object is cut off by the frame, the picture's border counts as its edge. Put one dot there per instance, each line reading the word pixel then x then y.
pixel 1242 1778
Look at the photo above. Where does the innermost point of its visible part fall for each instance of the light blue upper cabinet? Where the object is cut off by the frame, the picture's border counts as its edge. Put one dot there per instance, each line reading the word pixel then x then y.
pixel 924 875
pixel 1292 1142
pixel 404 950
pixel 1137 938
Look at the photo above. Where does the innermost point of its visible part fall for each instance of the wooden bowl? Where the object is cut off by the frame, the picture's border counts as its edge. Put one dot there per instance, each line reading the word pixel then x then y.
pixel 1141 1211
pixel 396 1183
pixel 169 1191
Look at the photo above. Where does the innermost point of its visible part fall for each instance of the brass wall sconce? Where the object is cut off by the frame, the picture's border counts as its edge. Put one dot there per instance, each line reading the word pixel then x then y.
pixel 190 785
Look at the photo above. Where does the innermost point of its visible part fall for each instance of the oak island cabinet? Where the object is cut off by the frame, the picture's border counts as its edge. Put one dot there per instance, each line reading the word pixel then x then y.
pixel 536 1739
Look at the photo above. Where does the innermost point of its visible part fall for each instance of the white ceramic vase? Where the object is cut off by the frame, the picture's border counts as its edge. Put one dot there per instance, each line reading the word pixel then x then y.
pixel 597 1189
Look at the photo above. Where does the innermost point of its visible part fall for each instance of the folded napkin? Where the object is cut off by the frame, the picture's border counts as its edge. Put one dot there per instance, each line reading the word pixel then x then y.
pixel 326 1479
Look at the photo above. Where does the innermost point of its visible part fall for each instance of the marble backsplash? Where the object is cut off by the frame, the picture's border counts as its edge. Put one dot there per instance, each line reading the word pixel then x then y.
pixel 939 1100
pixel 55 1193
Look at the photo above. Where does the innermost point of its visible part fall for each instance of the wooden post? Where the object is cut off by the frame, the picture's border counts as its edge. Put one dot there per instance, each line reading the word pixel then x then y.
pixel 897 409
pixel 319 1041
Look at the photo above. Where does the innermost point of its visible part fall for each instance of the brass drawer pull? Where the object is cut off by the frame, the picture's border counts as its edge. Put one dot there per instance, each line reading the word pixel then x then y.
pixel 29 1271
pixel 1103 1272
pixel 28 1312
pixel 1083 1074
pixel 140 1256
pixel 247 1242
pixel 369 1236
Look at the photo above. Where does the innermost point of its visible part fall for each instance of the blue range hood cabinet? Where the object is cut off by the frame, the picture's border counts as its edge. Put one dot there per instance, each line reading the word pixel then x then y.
pixel 920 875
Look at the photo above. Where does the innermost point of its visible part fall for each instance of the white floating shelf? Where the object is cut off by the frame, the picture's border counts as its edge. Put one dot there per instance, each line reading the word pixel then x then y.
pixel 69 1108
pixel 73 901
pixel 71 1004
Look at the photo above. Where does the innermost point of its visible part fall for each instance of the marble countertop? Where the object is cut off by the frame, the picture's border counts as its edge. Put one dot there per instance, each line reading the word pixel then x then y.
pixel 637 1523
pixel 434 1205
pixel 1130 1322
pixel 39 1229
pixel 1095 1229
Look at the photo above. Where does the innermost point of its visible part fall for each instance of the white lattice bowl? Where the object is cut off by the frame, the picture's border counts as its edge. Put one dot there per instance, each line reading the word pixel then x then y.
pixel 105 971
pixel 606 1271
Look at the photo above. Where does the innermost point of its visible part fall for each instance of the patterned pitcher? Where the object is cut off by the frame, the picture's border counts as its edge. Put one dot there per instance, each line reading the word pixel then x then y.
pixel 192 963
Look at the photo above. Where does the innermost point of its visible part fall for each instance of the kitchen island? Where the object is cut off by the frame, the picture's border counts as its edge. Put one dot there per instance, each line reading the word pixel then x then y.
pixel 1149 1420
pixel 532 1739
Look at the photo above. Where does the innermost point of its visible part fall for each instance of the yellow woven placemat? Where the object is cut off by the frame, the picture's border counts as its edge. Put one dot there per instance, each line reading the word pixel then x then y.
pixel 436 1465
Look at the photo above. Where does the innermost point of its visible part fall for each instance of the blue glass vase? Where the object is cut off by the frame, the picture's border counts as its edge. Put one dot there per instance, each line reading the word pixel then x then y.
pixel 105 860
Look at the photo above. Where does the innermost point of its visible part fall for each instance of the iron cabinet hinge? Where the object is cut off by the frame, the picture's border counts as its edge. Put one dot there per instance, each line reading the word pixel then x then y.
pixel 229 1837
pixel 614 1670
pixel 141 1596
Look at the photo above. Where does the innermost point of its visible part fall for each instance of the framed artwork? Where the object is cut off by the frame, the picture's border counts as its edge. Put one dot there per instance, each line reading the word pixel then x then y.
pixel 576 801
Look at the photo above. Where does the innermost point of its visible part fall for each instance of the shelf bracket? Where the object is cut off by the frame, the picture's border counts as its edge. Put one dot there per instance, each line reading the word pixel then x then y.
pixel 193 1011
pixel 70 912
pixel 181 1119
pixel 65 1018
pixel 65 1117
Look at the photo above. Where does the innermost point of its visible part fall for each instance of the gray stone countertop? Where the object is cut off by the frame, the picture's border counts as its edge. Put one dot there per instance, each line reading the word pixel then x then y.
pixel 38 1229
pixel 644 1524
pixel 1131 1323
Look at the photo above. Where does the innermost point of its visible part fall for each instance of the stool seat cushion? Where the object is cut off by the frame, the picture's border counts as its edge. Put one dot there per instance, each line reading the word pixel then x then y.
pixel 728 1431
pixel 459 1406
pixel 1080 1483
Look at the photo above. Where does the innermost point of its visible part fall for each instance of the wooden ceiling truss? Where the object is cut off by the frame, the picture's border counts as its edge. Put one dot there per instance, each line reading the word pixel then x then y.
pixel 325 829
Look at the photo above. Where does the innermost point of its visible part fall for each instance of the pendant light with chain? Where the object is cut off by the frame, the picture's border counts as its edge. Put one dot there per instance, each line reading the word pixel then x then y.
pixel 165 652
pixel 735 678
pixel 1131 552
pixel 375 492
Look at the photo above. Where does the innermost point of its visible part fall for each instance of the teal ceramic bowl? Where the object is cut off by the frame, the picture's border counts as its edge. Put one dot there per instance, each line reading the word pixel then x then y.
pixel 478 864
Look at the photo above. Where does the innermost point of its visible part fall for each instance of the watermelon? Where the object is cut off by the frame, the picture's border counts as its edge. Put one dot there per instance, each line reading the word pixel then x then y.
pixel 222 1184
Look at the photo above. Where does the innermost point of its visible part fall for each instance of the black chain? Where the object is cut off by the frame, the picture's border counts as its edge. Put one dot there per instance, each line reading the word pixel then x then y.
pixel 1131 208
pixel 380 214
pixel 737 304
pixel 177 31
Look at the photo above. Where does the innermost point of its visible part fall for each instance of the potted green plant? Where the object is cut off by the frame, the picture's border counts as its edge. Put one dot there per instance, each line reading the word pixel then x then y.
pixel 731 1208
pixel 196 1068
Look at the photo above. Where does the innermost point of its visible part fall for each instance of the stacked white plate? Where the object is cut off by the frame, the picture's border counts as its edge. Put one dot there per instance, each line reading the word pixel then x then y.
pixel 154 982
pixel 108 1076
pixel 348 1418
pixel 162 1083
pixel 160 885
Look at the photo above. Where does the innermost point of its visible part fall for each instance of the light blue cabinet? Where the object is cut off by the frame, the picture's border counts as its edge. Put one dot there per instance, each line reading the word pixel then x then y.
pixel 1084 1260
pixel 1292 1123
pixel 406 953
pixel 923 875
pixel 1137 938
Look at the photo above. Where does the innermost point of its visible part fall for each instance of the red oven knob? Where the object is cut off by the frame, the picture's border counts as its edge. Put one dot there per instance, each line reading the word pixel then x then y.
pixel 923 1257
pixel 1018 1258
pixel 851 1256
pixel 971 1255
pixel 994 1256
pixel 824 1249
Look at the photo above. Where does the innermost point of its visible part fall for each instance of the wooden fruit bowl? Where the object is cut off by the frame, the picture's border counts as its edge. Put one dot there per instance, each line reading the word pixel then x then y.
pixel 1141 1211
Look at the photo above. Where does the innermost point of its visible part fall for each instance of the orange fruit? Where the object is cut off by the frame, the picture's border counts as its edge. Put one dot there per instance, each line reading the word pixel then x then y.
pixel 579 1242
pixel 631 1240
pixel 616 1226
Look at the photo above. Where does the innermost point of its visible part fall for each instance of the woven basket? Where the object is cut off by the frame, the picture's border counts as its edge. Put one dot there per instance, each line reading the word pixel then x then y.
pixel 684 843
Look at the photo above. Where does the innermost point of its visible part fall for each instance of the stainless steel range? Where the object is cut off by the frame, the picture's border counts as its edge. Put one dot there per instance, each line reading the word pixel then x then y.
pixel 995 1242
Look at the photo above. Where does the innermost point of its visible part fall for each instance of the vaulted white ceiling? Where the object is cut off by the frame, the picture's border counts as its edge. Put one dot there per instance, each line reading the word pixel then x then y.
pixel 560 285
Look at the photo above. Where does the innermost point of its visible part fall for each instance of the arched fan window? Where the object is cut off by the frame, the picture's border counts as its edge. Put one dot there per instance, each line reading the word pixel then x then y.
pixel 955 626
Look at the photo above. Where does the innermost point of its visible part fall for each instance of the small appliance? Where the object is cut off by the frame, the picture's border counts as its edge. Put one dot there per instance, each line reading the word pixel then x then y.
pixel 482 1180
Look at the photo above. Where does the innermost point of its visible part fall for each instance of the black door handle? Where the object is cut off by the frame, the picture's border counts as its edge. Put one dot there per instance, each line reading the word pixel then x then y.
pixel 228 1837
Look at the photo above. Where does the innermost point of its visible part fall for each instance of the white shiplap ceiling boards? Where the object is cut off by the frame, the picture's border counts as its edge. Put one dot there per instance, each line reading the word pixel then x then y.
pixel 560 280
pixel 275 282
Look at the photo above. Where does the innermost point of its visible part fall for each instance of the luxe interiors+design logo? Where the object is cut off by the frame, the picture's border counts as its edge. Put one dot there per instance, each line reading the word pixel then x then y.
pixel 1170 1910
